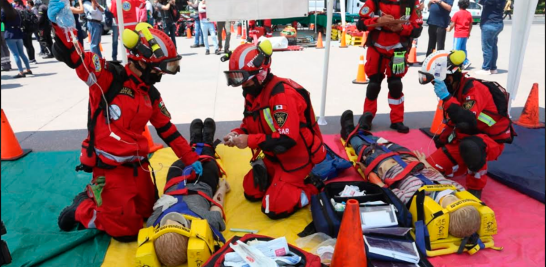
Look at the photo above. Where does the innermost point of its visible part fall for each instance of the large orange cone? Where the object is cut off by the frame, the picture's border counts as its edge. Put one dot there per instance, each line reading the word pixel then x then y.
pixel 343 43
pixel 11 150
pixel 239 30
pixel 437 123
pixel 529 116
pixel 188 33
pixel 153 147
pixel 319 41
pixel 412 57
pixel 232 30
pixel 361 74
pixel 350 249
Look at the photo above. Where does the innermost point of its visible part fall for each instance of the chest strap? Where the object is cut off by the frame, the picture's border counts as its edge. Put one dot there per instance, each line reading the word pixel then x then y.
pixel 186 192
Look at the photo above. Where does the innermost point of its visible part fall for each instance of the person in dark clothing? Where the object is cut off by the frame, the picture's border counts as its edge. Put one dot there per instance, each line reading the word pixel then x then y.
pixel 169 26
pixel 44 29
pixel 34 10
pixel 491 25
pixel 438 21
pixel 27 36
pixel 14 37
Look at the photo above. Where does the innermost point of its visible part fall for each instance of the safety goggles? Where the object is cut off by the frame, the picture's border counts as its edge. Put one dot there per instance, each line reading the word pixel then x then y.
pixel 425 77
pixel 238 77
pixel 170 66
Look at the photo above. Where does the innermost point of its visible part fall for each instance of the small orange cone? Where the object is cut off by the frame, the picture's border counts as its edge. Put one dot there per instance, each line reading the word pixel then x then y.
pixel 239 30
pixel 153 147
pixel 319 41
pixel 437 123
pixel 224 34
pixel 350 250
pixel 312 26
pixel 88 37
pixel 412 57
pixel 100 47
pixel 361 74
pixel 188 33
pixel 343 43
pixel 11 150
pixel 232 30
pixel 244 34
pixel 529 116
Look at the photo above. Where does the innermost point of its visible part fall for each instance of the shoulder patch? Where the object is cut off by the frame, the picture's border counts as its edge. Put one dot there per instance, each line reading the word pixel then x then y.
pixel 127 91
pixel 279 88
pixel 280 118
pixel 164 110
pixel 96 62
pixel 469 104
pixel 364 11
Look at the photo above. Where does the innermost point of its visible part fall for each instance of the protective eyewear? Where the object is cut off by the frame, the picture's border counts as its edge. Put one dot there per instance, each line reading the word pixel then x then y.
pixel 238 77
pixel 171 65
pixel 425 77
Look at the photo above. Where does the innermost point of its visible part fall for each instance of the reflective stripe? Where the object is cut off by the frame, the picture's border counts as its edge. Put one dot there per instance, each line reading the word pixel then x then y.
pixel 117 158
pixel 486 119
pixel 91 79
pixel 479 174
pixel 269 119
pixel 390 47
pixel 91 223
pixel 266 204
pixel 130 23
pixel 243 55
pixel 396 101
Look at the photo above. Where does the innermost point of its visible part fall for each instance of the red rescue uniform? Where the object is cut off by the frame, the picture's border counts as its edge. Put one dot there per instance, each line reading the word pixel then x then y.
pixel 120 148
pixel 382 43
pixel 276 123
pixel 472 104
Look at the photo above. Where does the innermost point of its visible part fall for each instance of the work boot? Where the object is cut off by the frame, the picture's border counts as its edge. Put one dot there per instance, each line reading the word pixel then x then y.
pixel 196 131
pixel 347 124
pixel 400 127
pixel 208 131
pixel 67 218
pixel 365 121
pixel 476 193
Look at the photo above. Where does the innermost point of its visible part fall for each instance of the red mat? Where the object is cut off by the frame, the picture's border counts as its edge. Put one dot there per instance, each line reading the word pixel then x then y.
pixel 520 219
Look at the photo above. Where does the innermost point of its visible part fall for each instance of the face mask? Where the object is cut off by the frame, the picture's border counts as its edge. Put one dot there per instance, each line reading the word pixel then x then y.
pixel 253 89
pixel 147 76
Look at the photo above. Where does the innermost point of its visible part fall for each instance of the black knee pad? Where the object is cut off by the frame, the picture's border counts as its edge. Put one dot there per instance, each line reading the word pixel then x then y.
pixel 395 87
pixel 472 151
pixel 374 86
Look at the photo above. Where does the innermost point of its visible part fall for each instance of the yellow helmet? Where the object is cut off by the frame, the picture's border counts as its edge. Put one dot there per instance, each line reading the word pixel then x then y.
pixel 439 64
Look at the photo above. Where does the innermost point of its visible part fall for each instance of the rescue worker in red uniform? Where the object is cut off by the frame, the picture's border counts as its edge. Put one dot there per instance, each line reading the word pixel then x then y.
pixel 476 116
pixel 388 47
pixel 279 121
pixel 122 100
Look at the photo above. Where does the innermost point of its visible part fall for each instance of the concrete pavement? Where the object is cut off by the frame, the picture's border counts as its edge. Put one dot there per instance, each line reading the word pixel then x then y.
pixel 51 106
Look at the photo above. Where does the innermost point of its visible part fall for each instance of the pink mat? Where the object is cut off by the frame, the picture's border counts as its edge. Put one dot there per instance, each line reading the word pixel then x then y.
pixel 520 218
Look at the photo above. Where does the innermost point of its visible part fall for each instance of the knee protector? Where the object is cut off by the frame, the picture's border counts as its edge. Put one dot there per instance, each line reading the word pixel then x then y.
pixel 395 87
pixel 372 91
pixel 473 152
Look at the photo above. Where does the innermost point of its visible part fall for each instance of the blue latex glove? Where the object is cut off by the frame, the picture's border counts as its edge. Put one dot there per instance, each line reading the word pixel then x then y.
pixel 197 167
pixel 440 89
pixel 55 6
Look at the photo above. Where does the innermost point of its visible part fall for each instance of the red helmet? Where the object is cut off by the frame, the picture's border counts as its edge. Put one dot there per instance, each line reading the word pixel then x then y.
pixel 248 60
pixel 152 46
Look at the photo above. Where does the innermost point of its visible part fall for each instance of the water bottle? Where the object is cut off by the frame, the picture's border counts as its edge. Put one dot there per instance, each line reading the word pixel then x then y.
pixel 65 19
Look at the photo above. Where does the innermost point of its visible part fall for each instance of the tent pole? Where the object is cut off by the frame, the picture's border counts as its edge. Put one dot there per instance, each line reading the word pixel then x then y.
pixel 322 119
pixel 121 26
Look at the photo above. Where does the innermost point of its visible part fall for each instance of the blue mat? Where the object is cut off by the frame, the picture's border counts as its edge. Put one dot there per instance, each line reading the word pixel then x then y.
pixel 521 165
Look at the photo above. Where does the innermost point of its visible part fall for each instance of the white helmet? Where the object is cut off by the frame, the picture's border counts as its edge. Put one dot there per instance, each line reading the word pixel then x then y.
pixel 439 64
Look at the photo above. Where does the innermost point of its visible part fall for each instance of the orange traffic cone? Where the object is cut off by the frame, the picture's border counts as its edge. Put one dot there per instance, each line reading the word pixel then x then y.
pixel 188 33
pixel 412 58
pixel 224 34
pixel 232 30
pixel 437 123
pixel 153 147
pixel 88 37
pixel 350 249
pixel 239 30
pixel 343 43
pixel 361 74
pixel 100 47
pixel 319 41
pixel 529 116
pixel 244 34
pixel 11 150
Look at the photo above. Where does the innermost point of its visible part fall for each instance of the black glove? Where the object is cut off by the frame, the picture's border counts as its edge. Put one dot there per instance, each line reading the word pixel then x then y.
pixel 361 26
pixel 259 173
pixel 64 54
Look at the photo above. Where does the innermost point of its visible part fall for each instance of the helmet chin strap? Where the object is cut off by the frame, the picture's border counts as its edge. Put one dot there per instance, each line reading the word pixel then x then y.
pixel 146 75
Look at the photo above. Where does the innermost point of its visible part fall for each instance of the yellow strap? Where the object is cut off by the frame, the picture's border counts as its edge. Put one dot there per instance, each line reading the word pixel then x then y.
pixel 269 119
pixel 486 119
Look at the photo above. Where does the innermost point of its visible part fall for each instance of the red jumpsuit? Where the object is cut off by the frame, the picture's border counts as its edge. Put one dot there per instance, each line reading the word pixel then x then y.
pixel 275 122
pixel 472 104
pixel 129 194
pixel 382 43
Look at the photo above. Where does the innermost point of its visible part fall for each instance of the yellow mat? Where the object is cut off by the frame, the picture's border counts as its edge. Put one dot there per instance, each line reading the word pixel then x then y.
pixel 240 213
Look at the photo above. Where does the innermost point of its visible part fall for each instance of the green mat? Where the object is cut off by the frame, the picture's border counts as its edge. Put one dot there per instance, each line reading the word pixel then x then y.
pixel 34 191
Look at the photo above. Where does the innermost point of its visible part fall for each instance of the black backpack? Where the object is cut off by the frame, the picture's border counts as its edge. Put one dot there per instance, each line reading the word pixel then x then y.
pixel 108 18
pixel 29 21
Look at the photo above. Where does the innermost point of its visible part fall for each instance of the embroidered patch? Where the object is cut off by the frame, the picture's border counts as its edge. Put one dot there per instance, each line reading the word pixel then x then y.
pixel 126 6
pixel 469 104
pixel 280 118
pixel 164 109
pixel 278 107
pixel 127 91
pixel 96 62
pixel 114 112
pixel 364 11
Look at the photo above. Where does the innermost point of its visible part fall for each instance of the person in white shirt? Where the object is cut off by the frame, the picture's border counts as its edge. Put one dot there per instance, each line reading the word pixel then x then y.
pixel 93 13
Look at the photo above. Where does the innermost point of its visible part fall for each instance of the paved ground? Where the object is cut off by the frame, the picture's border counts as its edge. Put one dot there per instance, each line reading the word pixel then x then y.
pixel 48 110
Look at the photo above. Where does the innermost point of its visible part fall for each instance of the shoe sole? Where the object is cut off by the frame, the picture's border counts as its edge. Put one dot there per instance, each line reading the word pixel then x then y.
pixel 193 125
pixel 208 124
pixel 345 117
pixel 367 119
